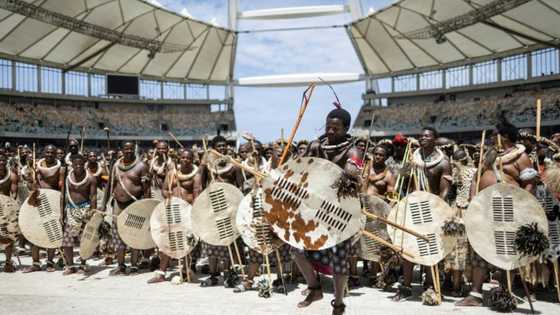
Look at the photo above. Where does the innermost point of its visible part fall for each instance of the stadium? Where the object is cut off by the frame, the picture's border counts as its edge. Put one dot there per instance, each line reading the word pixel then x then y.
pixel 452 150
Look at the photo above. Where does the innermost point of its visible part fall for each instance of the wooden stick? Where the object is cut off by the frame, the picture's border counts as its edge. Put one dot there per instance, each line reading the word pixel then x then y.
pixel 231 256
pixel 239 258
pixel 527 294
pixel 176 140
pixel 188 267
pixel 396 225
pixel 378 239
pixel 82 136
pixel 539 108
pixel 435 281
pixel 557 277
pixel 239 164
pixel 269 274
pixel 181 270
pixel 438 282
pixel 306 97
pixel 479 171
pixel 281 270
pixel 508 274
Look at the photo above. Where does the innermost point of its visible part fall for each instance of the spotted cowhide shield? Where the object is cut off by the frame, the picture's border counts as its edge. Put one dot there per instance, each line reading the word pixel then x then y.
pixel 301 204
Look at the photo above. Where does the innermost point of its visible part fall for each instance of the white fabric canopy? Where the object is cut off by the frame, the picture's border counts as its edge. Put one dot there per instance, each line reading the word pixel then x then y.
pixel 187 49
pixel 404 36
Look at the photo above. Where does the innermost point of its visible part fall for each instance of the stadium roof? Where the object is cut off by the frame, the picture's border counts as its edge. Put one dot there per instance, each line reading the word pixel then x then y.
pixel 420 35
pixel 128 37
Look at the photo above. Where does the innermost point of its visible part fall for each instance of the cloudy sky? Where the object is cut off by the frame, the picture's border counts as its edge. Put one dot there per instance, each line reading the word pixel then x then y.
pixel 265 111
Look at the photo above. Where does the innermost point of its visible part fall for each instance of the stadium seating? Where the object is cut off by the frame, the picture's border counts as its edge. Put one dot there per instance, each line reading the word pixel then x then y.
pixel 465 115
pixel 55 117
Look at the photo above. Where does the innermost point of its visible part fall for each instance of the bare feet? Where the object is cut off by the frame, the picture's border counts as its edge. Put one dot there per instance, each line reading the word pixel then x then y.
pixel 157 278
pixel 50 266
pixel 338 309
pixel 469 301
pixel 32 268
pixel 119 271
pixel 315 294
pixel 9 267
pixel 403 292
pixel 69 271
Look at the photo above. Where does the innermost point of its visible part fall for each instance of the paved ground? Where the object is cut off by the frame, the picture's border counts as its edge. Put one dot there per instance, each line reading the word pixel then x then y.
pixel 99 293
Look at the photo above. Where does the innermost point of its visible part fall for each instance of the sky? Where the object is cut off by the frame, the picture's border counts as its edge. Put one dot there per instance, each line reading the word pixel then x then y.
pixel 264 111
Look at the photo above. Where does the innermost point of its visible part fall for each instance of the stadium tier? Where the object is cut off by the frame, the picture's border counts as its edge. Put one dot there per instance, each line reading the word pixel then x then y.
pixel 43 119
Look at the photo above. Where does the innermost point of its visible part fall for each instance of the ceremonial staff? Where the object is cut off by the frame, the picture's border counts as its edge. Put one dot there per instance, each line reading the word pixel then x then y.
pixel 303 107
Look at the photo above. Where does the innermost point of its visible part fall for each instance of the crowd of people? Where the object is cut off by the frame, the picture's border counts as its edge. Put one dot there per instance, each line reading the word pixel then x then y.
pixel 453 115
pixel 37 117
pixel 100 182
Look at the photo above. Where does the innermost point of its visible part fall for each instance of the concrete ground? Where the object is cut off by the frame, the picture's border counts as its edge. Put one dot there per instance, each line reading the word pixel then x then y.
pixel 99 293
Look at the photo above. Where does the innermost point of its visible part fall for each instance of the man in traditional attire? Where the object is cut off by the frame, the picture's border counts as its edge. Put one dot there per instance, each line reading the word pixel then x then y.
pixel 73 148
pixel 160 165
pixel 433 171
pixel 302 147
pixel 183 183
pixel 456 262
pixel 220 171
pixel 379 181
pixel 337 146
pixel 49 176
pixel 8 229
pixel 130 181
pixel 517 171
pixel 81 198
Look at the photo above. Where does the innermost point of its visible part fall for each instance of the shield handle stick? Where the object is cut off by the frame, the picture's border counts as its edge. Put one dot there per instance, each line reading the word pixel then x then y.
pixel 395 225
pixel 526 293
pixel 378 239
pixel 239 258
pixel 281 271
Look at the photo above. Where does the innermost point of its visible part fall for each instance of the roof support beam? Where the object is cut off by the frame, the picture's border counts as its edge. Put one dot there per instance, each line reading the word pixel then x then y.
pixel 89 57
pixel 519 34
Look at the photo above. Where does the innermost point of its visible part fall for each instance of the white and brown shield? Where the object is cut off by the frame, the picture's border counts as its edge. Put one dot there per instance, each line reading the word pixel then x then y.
pixel 213 214
pixel 301 204
pixel 133 224
pixel 171 228
pixel 41 225
pixel 424 213
pixel 255 231
pixel 493 218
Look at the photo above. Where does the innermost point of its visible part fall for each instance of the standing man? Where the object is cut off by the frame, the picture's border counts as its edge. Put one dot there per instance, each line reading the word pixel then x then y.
pixel 455 263
pixel 180 183
pixel 380 179
pixel 434 176
pixel 517 171
pixel 49 176
pixel 221 171
pixel 335 145
pixel 73 148
pixel 160 165
pixel 8 187
pixel 379 182
pixel 81 198
pixel 130 181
